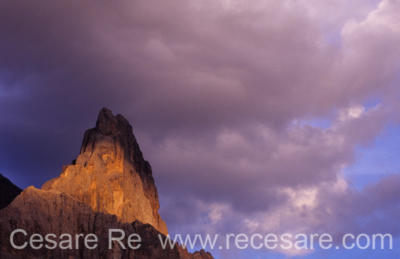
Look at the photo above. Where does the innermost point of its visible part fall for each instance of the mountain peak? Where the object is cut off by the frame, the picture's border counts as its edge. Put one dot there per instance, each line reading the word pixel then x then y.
pixel 117 131
pixel 108 124
pixel 109 186
pixel 111 175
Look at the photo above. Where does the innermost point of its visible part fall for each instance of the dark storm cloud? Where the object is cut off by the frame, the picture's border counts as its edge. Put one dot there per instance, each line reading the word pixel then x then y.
pixel 53 80
pixel 217 92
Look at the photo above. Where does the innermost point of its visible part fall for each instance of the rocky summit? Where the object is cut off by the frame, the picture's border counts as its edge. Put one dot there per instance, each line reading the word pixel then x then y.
pixel 110 174
pixel 108 186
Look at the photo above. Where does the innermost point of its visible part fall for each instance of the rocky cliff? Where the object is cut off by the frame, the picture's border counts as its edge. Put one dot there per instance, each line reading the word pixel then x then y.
pixel 43 212
pixel 110 174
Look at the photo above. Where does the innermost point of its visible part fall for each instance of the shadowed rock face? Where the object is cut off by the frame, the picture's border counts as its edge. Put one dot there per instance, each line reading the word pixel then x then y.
pixel 8 191
pixel 110 174
pixel 40 211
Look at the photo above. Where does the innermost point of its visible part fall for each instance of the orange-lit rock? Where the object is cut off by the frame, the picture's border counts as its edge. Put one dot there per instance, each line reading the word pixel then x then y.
pixel 110 174
pixel 45 212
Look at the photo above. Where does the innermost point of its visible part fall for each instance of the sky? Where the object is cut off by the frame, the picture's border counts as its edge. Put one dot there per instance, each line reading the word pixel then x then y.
pixel 256 116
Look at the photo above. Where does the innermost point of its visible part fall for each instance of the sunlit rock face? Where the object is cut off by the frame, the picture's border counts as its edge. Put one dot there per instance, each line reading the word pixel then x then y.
pixel 44 212
pixel 110 174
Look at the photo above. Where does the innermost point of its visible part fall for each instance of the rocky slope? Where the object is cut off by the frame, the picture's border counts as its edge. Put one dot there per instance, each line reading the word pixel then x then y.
pixel 40 211
pixel 8 191
pixel 110 174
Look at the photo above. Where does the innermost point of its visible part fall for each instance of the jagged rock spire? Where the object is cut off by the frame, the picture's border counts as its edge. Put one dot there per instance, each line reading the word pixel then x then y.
pixel 120 131
pixel 111 175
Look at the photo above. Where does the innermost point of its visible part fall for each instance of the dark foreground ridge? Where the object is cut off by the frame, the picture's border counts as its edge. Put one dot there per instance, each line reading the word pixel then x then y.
pixel 109 186
pixel 8 191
